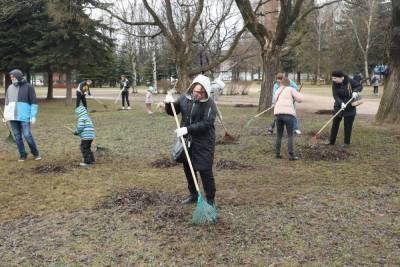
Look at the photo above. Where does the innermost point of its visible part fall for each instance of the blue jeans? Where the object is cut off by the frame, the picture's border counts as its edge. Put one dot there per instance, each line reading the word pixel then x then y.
pixel 20 128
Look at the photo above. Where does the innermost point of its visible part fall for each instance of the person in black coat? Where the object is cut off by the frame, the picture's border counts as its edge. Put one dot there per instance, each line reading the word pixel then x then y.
pixel 343 89
pixel 198 112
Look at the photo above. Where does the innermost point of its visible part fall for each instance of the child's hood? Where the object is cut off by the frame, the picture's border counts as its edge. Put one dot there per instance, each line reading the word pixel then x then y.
pixel 81 111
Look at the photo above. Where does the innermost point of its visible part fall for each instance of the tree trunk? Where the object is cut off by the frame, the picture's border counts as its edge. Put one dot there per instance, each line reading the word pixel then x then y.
pixel 183 77
pixel 366 67
pixel 50 94
pixel 270 69
pixel 155 70
pixel 389 108
pixel 68 99
pixel 7 81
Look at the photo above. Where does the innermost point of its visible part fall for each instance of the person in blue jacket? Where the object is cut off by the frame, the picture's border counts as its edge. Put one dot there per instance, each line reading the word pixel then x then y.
pixel 277 84
pixel 21 110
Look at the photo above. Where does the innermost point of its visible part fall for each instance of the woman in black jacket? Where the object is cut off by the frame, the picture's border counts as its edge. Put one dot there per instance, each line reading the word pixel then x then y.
pixel 343 89
pixel 197 126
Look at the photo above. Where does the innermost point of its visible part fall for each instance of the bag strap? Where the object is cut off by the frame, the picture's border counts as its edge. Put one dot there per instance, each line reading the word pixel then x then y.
pixel 276 101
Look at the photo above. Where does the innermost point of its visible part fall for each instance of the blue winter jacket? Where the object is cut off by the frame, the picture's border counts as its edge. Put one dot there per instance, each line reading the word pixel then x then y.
pixel 20 102
pixel 84 126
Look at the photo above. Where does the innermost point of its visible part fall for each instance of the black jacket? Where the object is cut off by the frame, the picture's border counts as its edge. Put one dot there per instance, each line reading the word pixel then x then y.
pixel 199 118
pixel 342 94
pixel 124 85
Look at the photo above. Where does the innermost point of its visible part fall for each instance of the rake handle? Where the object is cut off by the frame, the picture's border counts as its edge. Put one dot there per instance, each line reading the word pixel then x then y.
pixel 8 127
pixel 334 116
pixel 185 149
pixel 219 115
pixel 116 100
pixel 259 114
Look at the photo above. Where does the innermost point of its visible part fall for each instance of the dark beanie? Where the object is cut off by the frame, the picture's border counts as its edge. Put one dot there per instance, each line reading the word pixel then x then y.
pixel 338 73
pixel 17 73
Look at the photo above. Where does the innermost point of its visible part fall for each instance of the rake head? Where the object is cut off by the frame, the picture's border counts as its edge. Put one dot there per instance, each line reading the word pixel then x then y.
pixel 204 212
pixel 313 140
pixel 249 122
pixel 229 138
pixel 10 139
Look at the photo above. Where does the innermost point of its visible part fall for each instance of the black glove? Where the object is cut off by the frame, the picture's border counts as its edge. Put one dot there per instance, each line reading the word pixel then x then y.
pixel 76 133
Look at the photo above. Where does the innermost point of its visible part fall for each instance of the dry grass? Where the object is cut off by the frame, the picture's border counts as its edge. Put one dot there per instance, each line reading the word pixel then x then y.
pixel 125 212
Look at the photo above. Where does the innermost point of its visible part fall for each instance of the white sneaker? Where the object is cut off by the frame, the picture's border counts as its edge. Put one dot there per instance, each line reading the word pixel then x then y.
pixel 297 132
pixel 129 108
pixel 38 158
pixel 123 107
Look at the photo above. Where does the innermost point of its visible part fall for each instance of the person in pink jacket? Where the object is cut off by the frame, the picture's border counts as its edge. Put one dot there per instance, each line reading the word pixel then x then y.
pixel 285 113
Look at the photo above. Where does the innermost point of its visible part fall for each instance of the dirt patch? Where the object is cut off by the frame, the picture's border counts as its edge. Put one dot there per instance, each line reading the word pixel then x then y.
pixel 324 112
pixel 226 164
pixel 49 168
pixel 162 163
pixel 169 213
pixel 138 200
pixel 323 152
pixel 245 106
pixel 226 141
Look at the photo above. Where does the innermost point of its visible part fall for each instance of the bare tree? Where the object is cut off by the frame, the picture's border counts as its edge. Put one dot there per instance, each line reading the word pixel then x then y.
pixel 389 108
pixel 179 23
pixel 362 17
pixel 272 38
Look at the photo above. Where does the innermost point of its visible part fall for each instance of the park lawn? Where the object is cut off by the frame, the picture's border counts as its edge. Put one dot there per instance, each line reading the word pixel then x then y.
pixel 329 208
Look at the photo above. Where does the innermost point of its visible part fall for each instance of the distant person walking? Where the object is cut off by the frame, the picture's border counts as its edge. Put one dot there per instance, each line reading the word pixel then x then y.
pixel 149 98
pixel 124 86
pixel 82 91
pixel 375 83
pixel 21 110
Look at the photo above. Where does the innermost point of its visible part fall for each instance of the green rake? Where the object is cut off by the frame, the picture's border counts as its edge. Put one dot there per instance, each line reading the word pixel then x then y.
pixel 204 212
pixel 10 137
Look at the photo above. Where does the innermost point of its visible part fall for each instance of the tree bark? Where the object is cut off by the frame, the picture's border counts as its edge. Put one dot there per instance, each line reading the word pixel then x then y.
pixel 50 94
pixel 7 81
pixel 68 99
pixel 270 69
pixel 389 108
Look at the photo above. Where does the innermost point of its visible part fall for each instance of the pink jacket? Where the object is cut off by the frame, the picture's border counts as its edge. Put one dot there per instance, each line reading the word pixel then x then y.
pixel 284 102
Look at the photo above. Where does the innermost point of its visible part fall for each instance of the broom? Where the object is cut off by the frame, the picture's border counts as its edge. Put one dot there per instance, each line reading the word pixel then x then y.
pixel 10 137
pixel 227 136
pixel 313 140
pixel 204 212
pixel 249 122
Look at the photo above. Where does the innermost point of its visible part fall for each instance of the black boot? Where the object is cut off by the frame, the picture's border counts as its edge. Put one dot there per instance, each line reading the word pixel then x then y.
pixel 211 202
pixel 292 156
pixel 189 200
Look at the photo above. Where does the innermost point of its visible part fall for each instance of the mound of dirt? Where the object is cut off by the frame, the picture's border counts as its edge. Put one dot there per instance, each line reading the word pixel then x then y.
pixel 323 152
pixel 169 213
pixel 245 106
pixel 226 164
pixel 163 163
pixel 325 112
pixel 138 200
pixel 49 168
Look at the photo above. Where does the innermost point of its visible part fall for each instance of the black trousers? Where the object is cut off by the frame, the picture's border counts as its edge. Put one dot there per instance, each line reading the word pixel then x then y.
pixel 376 89
pixel 88 156
pixel 207 178
pixel 80 97
pixel 348 127
pixel 125 96
pixel 283 120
